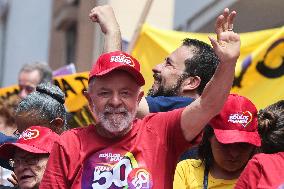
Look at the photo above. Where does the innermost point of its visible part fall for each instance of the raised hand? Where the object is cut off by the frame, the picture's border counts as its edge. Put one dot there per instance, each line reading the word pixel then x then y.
pixel 227 45
pixel 105 17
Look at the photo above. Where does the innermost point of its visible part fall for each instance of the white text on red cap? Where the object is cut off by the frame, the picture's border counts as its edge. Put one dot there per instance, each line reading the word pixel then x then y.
pixel 29 134
pixel 241 118
pixel 122 59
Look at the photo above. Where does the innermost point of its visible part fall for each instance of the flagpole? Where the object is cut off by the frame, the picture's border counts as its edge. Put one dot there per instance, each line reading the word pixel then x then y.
pixel 139 25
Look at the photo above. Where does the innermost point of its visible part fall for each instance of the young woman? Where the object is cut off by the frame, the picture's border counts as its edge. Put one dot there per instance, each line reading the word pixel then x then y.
pixel 228 142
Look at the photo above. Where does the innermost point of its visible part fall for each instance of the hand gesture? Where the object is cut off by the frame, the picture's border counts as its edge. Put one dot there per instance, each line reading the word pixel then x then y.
pixel 13 179
pixel 105 17
pixel 227 46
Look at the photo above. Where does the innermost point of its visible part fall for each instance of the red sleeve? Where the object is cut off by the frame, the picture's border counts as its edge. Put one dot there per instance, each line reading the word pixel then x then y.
pixel 54 175
pixel 250 175
pixel 61 169
pixel 167 126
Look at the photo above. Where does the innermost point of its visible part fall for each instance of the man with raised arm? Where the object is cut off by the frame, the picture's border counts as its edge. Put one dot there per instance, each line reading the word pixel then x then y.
pixel 120 151
pixel 179 79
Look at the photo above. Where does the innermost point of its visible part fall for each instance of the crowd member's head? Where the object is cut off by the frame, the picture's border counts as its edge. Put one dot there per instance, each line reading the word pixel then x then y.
pixel 7 116
pixel 29 155
pixel 230 139
pixel 186 71
pixel 44 107
pixel 271 128
pixel 114 104
pixel 31 75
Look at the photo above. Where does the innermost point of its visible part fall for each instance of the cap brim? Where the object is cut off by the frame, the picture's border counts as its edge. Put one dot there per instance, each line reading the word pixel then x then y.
pixel 7 150
pixel 135 74
pixel 236 136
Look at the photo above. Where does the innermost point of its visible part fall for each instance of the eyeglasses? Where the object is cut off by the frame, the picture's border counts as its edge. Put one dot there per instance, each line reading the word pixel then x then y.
pixel 24 161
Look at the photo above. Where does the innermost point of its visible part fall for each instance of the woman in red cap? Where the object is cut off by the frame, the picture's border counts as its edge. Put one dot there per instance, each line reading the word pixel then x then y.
pixel 29 155
pixel 265 170
pixel 228 142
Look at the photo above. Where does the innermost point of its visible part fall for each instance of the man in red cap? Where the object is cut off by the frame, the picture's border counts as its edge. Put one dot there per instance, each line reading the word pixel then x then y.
pixel 29 155
pixel 179 79
pixel 120 151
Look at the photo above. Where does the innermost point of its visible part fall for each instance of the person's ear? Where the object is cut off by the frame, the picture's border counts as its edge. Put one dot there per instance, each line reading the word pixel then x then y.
pixel 191 83
pixel 57 124
pixel 140 96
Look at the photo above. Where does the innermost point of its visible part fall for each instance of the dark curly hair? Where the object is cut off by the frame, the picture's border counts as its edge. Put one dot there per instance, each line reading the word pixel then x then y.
pixel 203 63
pixel 271 128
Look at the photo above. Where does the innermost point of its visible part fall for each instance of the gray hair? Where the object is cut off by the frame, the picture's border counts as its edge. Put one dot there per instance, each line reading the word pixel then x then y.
pixel 44 70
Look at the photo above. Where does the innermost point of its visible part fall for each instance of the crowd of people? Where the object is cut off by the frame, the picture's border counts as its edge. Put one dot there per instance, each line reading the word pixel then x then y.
pixel 137 141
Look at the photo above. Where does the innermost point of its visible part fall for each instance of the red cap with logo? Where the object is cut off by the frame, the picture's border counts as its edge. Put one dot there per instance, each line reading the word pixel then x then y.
pixel 35 139
pixel 117 60
pixel 237 122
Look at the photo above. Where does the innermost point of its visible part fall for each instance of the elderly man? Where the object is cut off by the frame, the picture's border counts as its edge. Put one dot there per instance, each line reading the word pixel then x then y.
pixel 31 75
pixel 120 151
pixel 29 155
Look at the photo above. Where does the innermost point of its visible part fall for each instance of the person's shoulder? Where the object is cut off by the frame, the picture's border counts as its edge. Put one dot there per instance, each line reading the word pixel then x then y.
pixel 190 163
pixel 75 133
pixel 4 138
pixel 169 98
pixel 158 117
pixel 8 187
pixel 262 157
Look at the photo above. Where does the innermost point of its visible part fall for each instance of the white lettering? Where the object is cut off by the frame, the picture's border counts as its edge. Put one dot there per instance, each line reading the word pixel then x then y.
pixel 111 157
pixel 122 167
pixel 122 59
pixel 238 118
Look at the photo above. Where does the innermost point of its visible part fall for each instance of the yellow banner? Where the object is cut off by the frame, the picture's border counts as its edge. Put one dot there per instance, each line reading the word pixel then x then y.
pixel 73 87
pixel 259 71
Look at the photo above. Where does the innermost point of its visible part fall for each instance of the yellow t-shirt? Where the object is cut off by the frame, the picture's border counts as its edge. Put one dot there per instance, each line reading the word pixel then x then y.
pixel 190 173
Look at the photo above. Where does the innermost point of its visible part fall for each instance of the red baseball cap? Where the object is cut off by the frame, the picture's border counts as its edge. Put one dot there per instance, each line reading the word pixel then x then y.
pixel 35 139
pixel 117 60
pixel 237 122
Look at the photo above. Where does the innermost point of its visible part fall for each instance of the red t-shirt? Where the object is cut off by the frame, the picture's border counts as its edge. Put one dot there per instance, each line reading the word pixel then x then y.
pixel 145 158
pixel 263 171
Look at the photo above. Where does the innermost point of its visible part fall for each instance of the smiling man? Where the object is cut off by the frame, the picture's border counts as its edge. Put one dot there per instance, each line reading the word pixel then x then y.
pixel 120 151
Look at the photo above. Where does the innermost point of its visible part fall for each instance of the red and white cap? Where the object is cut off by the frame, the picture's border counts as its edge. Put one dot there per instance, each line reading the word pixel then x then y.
pixel 117 60
pixel 237 122
pixel 35 139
